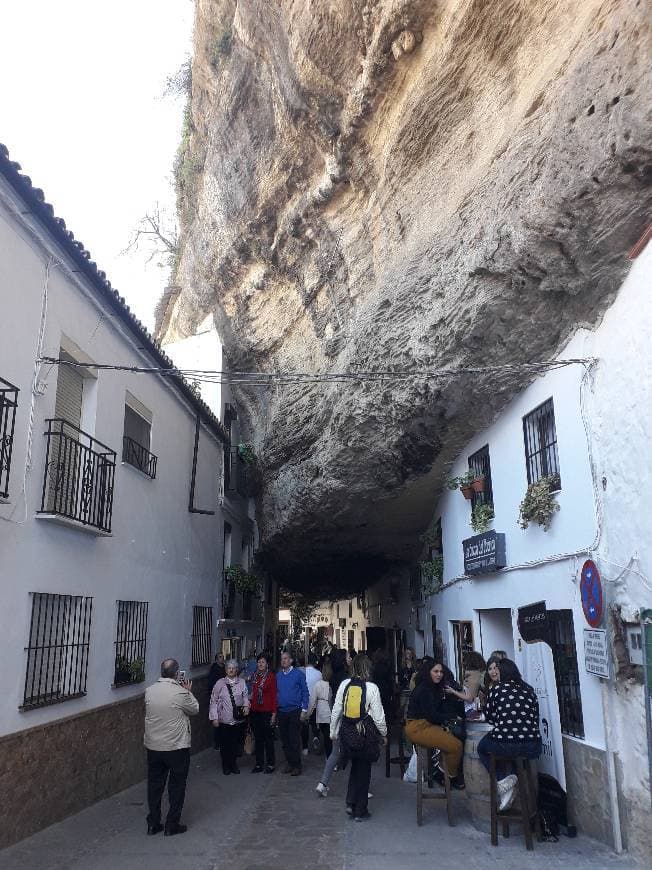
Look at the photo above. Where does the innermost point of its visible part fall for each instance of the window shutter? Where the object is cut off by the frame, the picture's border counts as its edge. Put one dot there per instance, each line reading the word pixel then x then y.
pixel 70 388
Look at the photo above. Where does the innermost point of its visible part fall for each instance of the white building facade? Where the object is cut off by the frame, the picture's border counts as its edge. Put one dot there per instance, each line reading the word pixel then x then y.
pixel 533 593
pixel 113 513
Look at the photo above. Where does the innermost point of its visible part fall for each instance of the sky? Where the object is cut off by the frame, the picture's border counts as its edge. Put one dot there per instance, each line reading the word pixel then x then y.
pixel 82 109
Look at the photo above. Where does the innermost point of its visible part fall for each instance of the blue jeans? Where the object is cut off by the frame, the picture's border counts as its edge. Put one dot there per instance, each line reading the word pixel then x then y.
pixel 506 749
pixel 331 763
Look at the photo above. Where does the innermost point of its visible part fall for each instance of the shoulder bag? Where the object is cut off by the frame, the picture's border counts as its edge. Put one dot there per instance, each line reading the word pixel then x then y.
pixel 239 714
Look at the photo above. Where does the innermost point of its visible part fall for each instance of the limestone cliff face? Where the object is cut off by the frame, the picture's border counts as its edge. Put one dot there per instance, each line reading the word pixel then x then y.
pixel 391 183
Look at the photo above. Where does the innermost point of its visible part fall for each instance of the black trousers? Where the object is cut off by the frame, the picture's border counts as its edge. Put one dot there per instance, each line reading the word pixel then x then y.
pixel 358 788
pixel 325 729
pixel 308 727
pixel 171 767
pixel 230 737
pixel 264 737
pixel 290 727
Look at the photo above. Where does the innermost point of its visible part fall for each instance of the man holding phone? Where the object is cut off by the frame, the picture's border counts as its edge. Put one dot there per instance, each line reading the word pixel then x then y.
pixel 169 703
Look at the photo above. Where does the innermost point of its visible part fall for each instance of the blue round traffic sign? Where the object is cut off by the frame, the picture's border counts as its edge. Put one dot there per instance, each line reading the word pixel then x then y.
pixel 591 592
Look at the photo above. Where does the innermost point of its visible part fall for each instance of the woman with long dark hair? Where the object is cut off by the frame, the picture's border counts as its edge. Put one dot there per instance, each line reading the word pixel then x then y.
pixel 513 709
pixel 431 715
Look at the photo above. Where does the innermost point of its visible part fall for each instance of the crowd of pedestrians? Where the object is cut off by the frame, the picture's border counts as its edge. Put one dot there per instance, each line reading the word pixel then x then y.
pixel 344 704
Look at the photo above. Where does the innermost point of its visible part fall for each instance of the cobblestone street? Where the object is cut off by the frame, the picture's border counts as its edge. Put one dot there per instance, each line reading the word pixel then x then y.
pixel 261 822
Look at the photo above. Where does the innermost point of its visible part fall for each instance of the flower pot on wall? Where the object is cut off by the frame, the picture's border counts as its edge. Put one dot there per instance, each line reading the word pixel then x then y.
pixel 467 490
pixel 477 485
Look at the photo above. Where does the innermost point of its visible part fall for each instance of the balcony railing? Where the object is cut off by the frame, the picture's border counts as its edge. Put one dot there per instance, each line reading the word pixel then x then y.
pixel 8 405
pixel 135 454
pixel 78 479
pixel 236 473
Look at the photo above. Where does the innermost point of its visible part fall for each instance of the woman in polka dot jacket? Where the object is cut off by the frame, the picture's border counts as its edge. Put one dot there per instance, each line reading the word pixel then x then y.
pixel 512 708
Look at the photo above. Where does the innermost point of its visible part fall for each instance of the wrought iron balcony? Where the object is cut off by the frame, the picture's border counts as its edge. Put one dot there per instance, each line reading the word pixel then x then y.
pixel 236 473
pixel 78 479
pixel 8 405
pixel 135 454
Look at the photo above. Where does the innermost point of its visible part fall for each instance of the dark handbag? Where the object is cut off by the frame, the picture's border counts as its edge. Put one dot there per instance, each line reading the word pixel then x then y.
pixel 239 714
pixel 456 727
pixel 360 738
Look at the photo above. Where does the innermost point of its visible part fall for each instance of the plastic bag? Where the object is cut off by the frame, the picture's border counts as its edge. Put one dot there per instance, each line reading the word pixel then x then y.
pixel 410 774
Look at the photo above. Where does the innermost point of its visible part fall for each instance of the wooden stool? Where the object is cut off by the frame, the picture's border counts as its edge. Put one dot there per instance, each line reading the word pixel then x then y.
pixel 526 813
pixel 392 730
pixel 424 765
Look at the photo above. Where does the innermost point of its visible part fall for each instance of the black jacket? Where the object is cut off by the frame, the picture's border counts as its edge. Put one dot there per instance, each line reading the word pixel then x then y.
pixel 433 705
pixel 216 673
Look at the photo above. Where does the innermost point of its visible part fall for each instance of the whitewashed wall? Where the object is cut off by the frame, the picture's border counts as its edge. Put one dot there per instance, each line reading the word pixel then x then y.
pixel 158 552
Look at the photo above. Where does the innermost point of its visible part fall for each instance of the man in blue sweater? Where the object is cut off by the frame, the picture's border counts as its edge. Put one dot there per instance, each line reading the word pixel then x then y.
pixel 293 700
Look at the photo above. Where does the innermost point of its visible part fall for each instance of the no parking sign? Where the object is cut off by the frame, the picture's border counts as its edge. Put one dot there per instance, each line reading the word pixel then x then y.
pixel 591 593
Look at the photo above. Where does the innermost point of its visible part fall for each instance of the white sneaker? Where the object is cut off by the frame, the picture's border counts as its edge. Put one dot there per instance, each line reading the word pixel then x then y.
pixel 322 789
pixel 369 795
pixel 505 789
pixel 511 796
pixel 305 751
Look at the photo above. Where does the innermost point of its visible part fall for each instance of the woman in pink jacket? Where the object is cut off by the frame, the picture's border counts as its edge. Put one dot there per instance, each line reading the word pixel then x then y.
pixel 228 710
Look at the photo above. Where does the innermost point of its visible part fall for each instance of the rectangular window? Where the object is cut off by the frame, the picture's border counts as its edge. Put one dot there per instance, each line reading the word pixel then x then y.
pixel 8 405
pixel 130 642
pixel 351 609
pixel 57 653
pixel 480 463
pixel 462 643
pixel 540 436
pixel 564 653
pixel 136 439
pixel 202 635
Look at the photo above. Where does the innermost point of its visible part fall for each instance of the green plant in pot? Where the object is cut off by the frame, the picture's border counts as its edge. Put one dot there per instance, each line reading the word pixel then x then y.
pixel 246 453
pixel 540 503
pixel 242 580
pixel 432 575
pixel 482 517
pixel 465 483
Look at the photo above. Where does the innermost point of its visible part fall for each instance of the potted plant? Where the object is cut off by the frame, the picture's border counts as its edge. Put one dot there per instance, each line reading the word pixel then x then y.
pixel 242 580
pixel 432 575
pixel 481 517
pixel 465 483
pixel 137 670
pixel 246 453
pixel 477 484
pixel 540 503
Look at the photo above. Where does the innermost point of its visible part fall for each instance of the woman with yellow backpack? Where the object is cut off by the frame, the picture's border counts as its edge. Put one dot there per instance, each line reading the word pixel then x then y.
pixel 358 721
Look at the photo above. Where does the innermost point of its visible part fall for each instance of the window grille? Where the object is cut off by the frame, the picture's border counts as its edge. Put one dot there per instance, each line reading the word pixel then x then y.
pixel 247 601
pixel 480 463
pixel 540 436
pixel 130 643
pixel 57 654
pixel 202 635
pixel 564 653
pixel 8 405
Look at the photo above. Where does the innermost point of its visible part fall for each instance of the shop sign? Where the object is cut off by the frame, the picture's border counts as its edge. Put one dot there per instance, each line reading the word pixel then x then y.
pixel 596 659
pixel 484 553
pixel 533 622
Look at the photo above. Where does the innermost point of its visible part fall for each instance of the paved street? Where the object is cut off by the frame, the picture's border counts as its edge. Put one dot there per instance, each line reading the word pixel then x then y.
pixel 259 822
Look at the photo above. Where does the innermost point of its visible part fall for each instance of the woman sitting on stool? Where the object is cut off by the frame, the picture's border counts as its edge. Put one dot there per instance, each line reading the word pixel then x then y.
pixel 513 709
pixel 429 710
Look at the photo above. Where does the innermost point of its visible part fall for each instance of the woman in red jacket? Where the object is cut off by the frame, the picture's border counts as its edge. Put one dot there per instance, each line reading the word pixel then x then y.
pixel 263 714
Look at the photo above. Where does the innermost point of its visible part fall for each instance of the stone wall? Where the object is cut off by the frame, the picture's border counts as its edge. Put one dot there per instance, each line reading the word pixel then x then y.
pixel 588 790
pixel 54 770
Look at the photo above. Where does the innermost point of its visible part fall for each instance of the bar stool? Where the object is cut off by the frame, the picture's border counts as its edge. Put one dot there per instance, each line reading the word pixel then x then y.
pixel 424 765
pixel 525 813
pixel 394 728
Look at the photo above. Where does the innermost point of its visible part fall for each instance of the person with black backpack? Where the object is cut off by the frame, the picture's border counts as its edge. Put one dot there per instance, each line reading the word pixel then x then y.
pixel 358 721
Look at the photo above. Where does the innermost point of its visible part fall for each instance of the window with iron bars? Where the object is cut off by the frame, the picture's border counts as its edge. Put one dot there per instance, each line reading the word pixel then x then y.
pixel 202 635
pixel 130 643
pixel 481 464
pixel 564 652
pixel 57 653
pixel 540 437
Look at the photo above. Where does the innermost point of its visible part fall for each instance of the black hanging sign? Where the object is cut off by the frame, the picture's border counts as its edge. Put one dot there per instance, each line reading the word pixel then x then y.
pixel 533 622
pixel 484 553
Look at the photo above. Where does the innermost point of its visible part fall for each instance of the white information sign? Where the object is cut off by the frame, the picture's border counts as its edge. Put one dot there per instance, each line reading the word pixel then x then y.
pixel 596 660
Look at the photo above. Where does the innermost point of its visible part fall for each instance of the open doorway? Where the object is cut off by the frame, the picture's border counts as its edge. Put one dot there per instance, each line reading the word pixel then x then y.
pixel 496 631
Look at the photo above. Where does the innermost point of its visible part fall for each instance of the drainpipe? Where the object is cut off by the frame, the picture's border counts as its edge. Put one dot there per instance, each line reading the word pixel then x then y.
pixel 611 772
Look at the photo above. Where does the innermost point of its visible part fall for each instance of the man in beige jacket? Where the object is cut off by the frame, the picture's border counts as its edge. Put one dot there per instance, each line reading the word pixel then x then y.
pixel 168 706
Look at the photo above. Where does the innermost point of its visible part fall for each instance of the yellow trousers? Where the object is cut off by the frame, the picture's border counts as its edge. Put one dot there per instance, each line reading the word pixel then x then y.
pixel 424 733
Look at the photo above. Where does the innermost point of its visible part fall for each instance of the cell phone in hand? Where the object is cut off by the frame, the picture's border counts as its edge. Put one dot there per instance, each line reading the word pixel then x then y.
pixel 182 678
